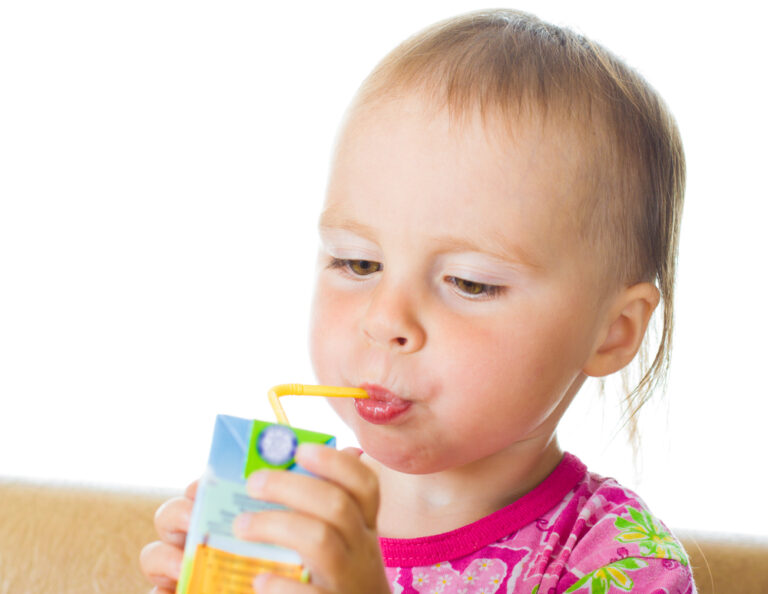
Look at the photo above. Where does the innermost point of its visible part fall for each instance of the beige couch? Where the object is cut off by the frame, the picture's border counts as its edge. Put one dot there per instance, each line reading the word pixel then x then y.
pixel 62 539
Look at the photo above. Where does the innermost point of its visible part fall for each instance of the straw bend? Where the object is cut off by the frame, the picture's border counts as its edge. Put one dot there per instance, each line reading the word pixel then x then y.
pixel 307 390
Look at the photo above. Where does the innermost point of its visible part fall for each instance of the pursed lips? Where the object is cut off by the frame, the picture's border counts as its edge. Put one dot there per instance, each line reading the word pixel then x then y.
pixel 381 394
pixel 382 406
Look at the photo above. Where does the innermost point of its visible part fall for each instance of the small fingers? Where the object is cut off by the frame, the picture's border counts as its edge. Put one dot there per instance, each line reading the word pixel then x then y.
pixel 312 497
pixel 346 470
pixel 172 520
pixel 319 544
pixel 191 490
pixel 161 563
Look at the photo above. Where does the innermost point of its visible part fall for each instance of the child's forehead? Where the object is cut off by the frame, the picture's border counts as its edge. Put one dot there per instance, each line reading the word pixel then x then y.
pixel 442 173
pixel 479 148
pixel 540 133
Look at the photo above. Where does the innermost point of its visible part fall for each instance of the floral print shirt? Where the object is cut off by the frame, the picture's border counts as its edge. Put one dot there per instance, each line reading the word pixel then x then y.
pixel 576 532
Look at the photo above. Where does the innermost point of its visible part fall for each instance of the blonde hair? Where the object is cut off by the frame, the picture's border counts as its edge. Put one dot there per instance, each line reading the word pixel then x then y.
pixel 512 64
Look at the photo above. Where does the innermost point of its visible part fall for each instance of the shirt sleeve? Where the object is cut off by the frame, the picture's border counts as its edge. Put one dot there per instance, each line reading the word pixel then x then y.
pixel 641 575
pixel 624 548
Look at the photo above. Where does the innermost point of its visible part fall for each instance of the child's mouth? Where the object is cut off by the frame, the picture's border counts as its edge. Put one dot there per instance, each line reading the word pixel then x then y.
pixel 381 407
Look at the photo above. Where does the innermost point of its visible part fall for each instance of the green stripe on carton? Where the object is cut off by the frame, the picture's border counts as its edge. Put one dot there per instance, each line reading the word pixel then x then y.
pixel 255 462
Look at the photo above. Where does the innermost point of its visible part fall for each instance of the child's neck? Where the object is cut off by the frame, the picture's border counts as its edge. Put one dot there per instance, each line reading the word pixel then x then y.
pixel 415 505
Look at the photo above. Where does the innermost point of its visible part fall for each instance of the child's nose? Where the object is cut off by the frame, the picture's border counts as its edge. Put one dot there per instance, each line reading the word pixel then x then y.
pixel 391 320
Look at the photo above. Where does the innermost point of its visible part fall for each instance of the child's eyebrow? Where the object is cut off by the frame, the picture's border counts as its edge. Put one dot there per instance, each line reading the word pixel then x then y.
pixel 496 247
pixel 329 222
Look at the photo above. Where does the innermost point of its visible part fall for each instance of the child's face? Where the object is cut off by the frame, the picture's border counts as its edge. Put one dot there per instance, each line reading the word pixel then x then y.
pixel 451 277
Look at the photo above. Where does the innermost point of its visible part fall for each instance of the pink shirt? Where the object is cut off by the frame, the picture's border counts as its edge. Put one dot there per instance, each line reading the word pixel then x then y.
pixel 575 532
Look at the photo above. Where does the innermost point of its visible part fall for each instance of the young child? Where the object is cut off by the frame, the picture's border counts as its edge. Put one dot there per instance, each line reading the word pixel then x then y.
pixel 501 222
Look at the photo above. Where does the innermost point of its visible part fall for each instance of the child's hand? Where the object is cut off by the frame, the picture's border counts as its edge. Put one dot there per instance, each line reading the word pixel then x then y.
pixel 331 523
pixel 161 560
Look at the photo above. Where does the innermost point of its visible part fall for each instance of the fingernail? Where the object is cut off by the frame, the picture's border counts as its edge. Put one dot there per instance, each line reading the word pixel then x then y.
pixel 256 482
pixel 260 581
pixel 308 451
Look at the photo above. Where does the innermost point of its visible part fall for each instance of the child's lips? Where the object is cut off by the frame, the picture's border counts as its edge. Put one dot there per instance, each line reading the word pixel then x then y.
pixel 381 406
pixel 381 394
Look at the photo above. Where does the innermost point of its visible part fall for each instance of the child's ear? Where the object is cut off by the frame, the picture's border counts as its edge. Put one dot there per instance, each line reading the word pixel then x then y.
pixel 624 328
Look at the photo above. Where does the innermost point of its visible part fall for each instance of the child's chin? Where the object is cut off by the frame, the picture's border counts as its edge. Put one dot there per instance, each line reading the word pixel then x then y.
pixel 399 461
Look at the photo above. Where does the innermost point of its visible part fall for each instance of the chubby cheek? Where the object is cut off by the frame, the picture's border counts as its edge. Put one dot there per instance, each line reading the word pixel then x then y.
pixel 517 368
pixel 331 334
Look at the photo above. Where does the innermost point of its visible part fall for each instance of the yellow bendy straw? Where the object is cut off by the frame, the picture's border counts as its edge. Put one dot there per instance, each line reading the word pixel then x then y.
pixel 304 390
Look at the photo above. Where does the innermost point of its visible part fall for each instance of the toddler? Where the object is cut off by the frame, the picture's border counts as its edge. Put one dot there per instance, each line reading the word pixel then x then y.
pixel 501 221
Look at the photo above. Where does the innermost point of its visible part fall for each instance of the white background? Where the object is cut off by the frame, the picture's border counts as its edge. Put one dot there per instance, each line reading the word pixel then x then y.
pixel 162 165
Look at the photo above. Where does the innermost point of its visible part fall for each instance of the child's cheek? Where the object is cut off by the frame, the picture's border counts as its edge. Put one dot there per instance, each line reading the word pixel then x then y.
pixel 331 332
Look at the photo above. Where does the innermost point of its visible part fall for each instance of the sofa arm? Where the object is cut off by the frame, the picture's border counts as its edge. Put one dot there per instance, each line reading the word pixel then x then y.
pixel 725 563
pixel 75 540
pixel 72 540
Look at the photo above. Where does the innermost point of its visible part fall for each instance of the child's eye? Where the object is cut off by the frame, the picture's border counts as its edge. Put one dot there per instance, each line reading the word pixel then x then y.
pixel 474 289
pixel 356 267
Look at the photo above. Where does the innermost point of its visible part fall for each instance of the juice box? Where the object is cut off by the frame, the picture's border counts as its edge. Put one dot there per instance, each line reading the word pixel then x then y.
pixel 215 561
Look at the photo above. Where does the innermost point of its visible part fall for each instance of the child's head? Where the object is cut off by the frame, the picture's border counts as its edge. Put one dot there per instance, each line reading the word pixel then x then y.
pixel 502 214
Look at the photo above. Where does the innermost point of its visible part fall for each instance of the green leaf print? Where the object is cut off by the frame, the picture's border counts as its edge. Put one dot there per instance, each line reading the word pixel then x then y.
pixel 630 563
pixel 653 540
pixel 613 574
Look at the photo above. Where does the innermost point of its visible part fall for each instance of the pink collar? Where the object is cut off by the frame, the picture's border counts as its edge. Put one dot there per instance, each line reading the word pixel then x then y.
pixel 416 552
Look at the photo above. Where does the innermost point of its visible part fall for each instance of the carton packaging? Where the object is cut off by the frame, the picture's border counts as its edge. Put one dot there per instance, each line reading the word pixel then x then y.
pixel 214 560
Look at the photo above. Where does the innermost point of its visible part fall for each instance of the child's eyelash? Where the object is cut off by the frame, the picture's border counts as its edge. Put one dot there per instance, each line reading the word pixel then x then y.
pixel 466 288
pixel 355 267
pixel 475 290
